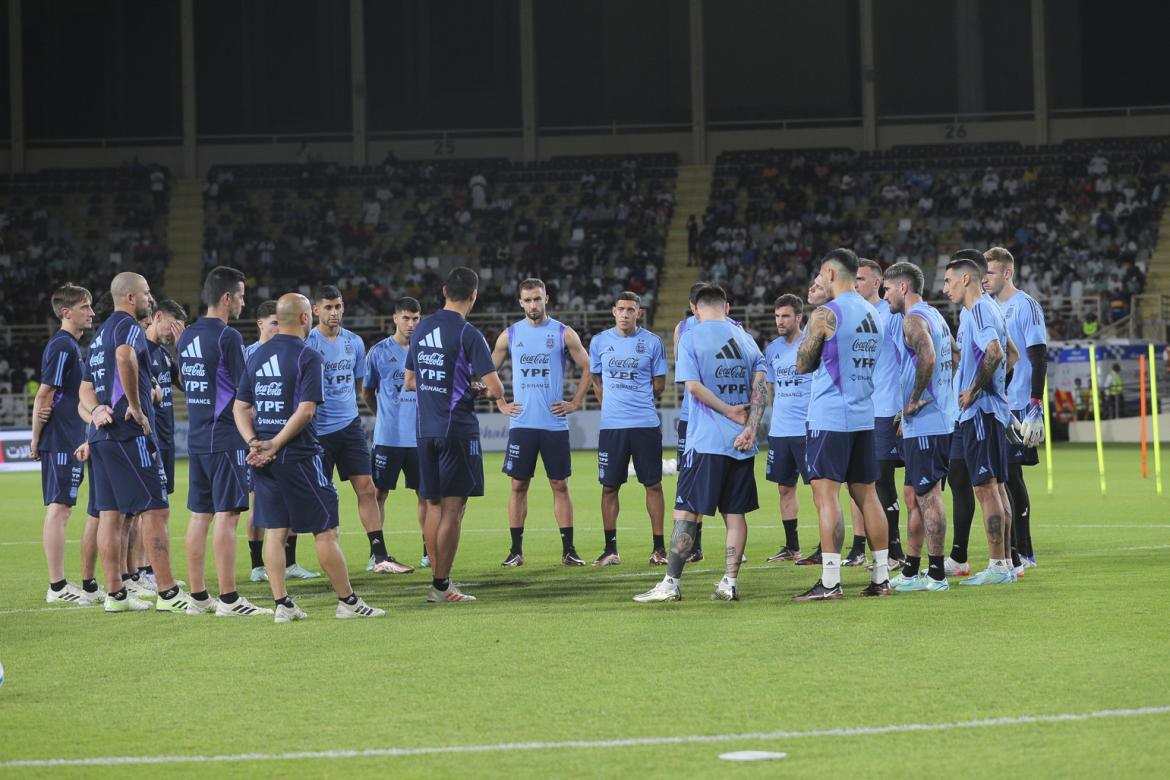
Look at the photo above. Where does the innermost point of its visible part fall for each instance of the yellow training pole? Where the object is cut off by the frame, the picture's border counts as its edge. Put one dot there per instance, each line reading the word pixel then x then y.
pixel 1097 415
pixel 1047 438
pixel 1154 410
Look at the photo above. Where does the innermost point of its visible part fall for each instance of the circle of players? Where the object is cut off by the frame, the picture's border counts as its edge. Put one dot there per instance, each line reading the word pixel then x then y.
pixel 873 382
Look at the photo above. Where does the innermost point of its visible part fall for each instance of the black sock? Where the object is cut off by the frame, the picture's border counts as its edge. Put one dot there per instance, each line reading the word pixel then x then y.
pixel 858 546
pixel 1021 509
pixel 936 571
pixel 290 551
pixel 659 541
pixel 441 583
pixel 284 601
pixel 350 600
pixel 566 540
pixel 1015 558
pixel 888 496
pixel 791 537
pixel 59 585
pixel 913 563
pixel 611 541
pixel 170 593
pixel 142 572
pixel 697 544
pixel 256 550
pixel 200 596
pixel 962 509
pixel 148 569
pixel 89 586
pixel 424 547
pixel 229 598
pixel 126 577
pixel 517 540
pixel 377 545
pixel 119 595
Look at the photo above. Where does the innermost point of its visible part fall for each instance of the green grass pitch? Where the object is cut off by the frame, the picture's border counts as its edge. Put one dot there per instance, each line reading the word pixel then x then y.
pixel 551 654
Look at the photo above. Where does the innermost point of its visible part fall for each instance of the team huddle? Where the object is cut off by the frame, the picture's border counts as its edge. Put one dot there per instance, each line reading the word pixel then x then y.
pixel 870 385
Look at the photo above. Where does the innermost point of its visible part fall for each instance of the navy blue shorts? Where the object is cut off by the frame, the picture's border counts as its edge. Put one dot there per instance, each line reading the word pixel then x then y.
pixel 841 456
pixel 90 504
pixel 61 477
pixel 709 483
pixel 615 447
pixel 524 444
pixel 786 460
pixel 219 482
pixel 957 445
pixel 168 463
pixel 887 443
pixel 928 460
pixel 127 476
pixel 295 495
pixel 389 462
pixel 449 468
pixel 1018 453
pixel 985 448
pixel 681 428
pixel 347 450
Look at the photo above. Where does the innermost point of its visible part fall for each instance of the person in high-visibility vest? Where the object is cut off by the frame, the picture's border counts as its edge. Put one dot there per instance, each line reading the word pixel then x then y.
pixel 1115 389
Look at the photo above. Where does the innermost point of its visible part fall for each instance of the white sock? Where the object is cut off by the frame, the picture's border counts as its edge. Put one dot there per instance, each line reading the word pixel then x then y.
pixel 830 569
pixel 670 581
pixel 729 581
pixel 881 565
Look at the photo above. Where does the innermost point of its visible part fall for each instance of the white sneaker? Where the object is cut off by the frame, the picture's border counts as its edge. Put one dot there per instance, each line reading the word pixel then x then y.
pixel 144 584
pixel 425 563
pixel 725 592
pixel 135 590
pixel 88 599
pixel 127 604
pixel 288 614
pixel 149 580
pixel 259 574
pixel 298 572
pixel 70 594
pixel 202 606
pixel 452 595
pixel 359 610
pixel 660 592
pixel 390 566
pixel 241 608
pixel 953 568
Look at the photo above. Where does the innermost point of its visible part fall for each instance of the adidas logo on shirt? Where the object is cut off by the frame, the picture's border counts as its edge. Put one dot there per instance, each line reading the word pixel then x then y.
pixel 730 351
pixel 270 368
pixel 868 325
pixel 193 350
pixel 433 339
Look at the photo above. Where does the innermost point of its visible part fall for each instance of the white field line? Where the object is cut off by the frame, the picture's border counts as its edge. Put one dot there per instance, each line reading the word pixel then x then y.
pixel 634 529
pixel 512 747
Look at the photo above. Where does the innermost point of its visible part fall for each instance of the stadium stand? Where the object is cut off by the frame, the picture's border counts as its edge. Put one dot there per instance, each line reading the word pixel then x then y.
pixel 1081 217
pixel 589 226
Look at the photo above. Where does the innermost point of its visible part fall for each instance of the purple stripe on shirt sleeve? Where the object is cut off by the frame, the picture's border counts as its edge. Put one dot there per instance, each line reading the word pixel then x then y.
pixel 830 355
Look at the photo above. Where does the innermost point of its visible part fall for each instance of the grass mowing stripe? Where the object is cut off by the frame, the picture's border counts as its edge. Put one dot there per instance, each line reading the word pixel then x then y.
pixel 507 747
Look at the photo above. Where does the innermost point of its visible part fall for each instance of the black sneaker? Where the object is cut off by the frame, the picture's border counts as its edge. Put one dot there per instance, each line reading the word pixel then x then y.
pixel 878 589
pixel 571 558
pixel 812 560
pixel 513 559
pixel 819 592
pixel 854 560
pixel 785 554
pixel 696 555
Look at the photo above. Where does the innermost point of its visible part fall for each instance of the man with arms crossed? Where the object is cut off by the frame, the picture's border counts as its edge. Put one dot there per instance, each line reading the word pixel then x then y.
pixel 57 431
pixel 924 357
pixel 211 363
pixel 446 353
pixel 983 410
pixel 1027 330
pixel 539 425
pixel 274 409
pixel 790 394
pixel 339 424
pixel 128 478
pixel 842 343
pixel 394 411
pixel 724 372
pixel 629 372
